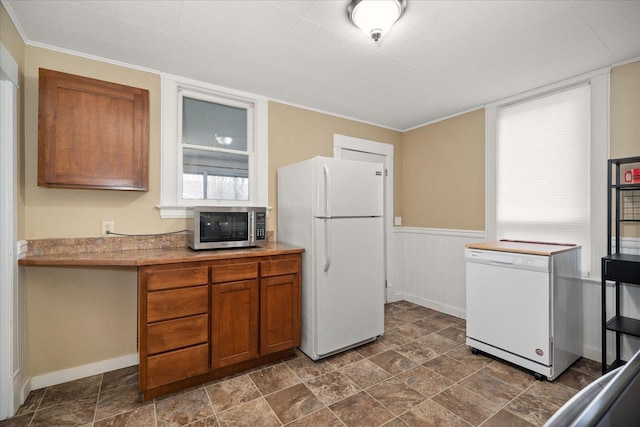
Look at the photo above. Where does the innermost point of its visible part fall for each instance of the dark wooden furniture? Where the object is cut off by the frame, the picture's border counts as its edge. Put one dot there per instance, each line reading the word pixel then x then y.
pixel 623 269
pixel 196 318
pixel 92 134
pixel 204 315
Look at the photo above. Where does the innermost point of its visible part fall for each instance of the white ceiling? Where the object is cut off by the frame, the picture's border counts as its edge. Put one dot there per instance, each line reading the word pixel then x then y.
pixel 441 57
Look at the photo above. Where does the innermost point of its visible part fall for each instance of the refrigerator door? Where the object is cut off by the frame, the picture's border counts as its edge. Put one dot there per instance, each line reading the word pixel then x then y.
pixel 349 286
pixel 347 188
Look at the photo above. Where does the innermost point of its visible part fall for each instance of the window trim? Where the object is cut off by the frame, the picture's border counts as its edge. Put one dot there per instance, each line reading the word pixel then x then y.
pixel 599 82
pixel 171 203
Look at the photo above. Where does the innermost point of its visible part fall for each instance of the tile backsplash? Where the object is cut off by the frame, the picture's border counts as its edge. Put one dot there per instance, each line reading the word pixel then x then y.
pixel 81 245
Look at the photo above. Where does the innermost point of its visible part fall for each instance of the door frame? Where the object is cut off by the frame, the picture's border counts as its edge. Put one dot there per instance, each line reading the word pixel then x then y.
pixel 10 369
pixel 343 142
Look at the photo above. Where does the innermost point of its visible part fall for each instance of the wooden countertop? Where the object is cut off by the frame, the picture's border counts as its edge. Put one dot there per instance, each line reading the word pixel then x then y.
pixel 135 258
pixel 531 248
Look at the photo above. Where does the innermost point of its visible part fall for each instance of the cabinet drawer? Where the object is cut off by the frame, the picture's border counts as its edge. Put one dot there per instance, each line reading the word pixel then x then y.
pixel 172 334
pixel 234 272
pixel 280 266
pixel 165 305
pixel 177 365
pixel 157 280
pixel 622 271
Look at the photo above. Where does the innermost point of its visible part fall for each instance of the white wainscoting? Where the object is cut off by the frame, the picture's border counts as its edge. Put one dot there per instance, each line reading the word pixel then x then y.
pixel 427 268
pixel 21 379
pixel 430 267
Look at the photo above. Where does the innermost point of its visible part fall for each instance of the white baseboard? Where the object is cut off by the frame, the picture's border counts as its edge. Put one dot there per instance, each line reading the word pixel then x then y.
pixel 392 293
pixel 77 372
pixel 592 353
pixel 25 389
pixel 453 311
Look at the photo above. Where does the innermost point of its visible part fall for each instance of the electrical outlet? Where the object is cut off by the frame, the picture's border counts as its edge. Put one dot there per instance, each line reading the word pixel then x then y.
pixel 107 228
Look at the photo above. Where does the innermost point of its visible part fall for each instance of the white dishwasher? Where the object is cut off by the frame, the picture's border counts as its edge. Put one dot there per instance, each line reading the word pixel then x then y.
pixel 524 304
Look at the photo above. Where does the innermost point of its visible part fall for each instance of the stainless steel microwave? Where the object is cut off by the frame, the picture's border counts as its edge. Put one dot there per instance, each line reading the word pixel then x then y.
pixel 226 227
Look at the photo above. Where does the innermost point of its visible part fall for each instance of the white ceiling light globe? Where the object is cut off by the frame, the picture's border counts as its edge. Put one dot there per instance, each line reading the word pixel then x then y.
pixel 375 17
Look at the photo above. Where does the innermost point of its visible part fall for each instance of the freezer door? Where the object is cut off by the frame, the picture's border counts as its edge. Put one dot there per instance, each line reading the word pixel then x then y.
pixel 347 188
pixel 349 289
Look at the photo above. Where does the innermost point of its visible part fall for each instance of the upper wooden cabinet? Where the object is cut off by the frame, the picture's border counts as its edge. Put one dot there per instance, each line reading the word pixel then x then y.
pixel 92 134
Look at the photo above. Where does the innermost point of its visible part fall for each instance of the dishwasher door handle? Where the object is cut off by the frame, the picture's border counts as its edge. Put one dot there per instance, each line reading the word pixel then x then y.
pixel 502 263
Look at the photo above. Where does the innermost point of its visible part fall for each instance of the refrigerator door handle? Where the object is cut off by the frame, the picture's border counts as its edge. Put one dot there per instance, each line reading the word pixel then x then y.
pixel 327 191
pixel 327 243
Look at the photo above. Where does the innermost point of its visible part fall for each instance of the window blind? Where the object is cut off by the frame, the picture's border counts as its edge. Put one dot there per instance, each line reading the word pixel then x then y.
pixel 543 171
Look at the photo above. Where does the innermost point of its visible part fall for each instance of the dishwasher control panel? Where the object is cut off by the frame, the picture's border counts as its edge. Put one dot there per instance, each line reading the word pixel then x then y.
pixel 507 259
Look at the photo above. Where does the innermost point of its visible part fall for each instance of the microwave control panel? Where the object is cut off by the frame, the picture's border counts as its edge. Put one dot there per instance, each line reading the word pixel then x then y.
pixel 261 223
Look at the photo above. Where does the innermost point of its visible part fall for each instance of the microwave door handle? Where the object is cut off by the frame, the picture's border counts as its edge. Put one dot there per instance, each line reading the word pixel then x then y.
pixel 252 227
pixel 327 244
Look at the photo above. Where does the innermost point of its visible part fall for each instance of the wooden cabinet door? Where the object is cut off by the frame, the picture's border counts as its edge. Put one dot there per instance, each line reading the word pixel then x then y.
pixel 92 133
pixel 279 313
pixel 234 317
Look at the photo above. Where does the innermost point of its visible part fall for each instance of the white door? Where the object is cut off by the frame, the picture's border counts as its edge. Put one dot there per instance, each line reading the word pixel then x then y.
pixel 13 372
pixel 349 282
pixel 349 188
pixel 375 152
pixel 362 156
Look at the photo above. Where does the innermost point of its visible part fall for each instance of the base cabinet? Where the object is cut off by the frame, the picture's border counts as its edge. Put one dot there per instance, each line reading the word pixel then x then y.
pixel 203 320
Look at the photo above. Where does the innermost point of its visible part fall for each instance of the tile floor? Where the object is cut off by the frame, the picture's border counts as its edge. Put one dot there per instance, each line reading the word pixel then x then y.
pixel 419 374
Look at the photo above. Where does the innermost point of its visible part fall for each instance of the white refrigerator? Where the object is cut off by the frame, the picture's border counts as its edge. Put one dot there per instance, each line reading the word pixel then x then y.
pixel 333 208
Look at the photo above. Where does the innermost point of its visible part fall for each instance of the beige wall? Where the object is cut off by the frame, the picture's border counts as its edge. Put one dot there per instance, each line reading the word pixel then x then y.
pixel 625 120
pixel 13 42
pixel 625 110
pixel 297 134
pixel 81 316
pixel 443 174
pixel 10 37
pixel 57 212
pixel 443 169
pixel 68 308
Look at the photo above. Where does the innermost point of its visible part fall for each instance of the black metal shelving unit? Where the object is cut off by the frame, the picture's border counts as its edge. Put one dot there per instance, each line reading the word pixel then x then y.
pixel 623 203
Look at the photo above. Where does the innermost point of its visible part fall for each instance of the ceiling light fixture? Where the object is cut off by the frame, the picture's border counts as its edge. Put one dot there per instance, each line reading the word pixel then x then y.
pixel 223 140
pixel 375 17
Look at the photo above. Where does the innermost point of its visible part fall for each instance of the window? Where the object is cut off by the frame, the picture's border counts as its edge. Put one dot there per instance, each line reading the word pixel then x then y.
pixel 214 147
pixel 545 155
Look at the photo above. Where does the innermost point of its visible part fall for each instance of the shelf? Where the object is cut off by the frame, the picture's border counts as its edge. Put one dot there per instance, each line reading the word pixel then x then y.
pixel 625 325
pixel 626 187
pixel 616 364
pixel 623 258
pixel 625 160
pixel 623 206
pixel 621 268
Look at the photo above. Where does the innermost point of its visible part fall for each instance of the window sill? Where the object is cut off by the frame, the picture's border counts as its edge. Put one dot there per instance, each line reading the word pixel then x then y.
pixel 172 211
